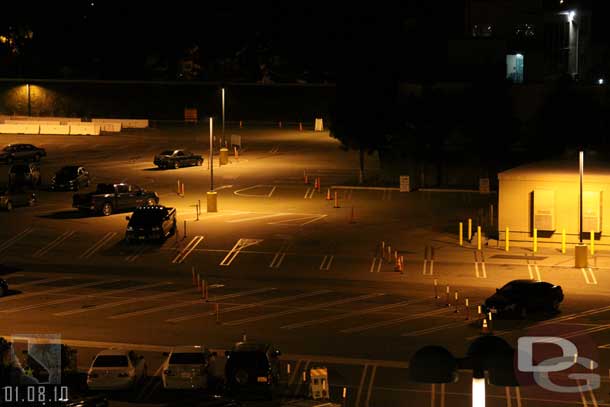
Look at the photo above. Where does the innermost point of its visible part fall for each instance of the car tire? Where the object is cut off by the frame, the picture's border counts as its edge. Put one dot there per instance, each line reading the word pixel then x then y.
pixel 9 206
pixel 176 165
pixel 107 209
pixel 199 162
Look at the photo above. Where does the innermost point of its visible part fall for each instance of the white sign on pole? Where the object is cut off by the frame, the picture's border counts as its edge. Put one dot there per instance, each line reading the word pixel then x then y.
pixel 405 184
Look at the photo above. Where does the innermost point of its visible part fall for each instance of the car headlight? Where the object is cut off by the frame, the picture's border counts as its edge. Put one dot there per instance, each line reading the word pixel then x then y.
pixel 129 229
pixel 156 228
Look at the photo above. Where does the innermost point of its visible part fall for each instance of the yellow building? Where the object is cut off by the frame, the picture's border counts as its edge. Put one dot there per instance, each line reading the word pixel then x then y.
pixel 545 196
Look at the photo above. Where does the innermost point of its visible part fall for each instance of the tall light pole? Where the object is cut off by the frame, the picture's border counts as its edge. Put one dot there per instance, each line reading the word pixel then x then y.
pixel 581 159
pixel 211 155
pixel 29 100
pixel 223 116
pixel 580 250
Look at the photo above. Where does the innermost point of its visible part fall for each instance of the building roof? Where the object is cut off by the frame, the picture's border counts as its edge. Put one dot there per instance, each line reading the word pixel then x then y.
pixel 560 170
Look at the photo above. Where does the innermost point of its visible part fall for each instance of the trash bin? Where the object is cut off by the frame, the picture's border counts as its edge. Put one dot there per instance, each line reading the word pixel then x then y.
pixel 224 156
pixel 212 201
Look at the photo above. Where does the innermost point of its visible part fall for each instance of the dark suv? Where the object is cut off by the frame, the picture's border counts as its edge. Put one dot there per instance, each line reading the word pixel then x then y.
pixel 154 222
pixel 520 297
pixel 252 369
pixel 70 177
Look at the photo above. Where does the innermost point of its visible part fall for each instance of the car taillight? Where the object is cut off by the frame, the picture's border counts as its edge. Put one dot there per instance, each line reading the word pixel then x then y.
pixel 123 374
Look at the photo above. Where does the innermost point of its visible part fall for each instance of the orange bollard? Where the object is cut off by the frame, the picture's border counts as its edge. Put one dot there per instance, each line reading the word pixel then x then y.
pixel 203 289
pixel 279 124
pixel 351 218
pixel 182 189
pixel 178 190
pixel 236 153
pixel 328 197
pixel 217 312
pixel 193 275
pixel 198 281
pixel 300 126
pixel 241 124
pixel 336 200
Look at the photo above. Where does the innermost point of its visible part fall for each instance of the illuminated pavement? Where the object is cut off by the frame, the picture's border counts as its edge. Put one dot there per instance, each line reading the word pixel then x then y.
pixel 283 265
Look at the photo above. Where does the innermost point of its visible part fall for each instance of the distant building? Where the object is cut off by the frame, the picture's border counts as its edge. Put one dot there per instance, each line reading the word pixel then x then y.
pixel 545 196
pixel 523 40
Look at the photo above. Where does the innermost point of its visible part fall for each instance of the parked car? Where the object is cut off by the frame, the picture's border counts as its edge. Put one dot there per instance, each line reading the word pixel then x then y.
pixel 520 297
pixel 24 174
pixel 185 368
pixel 3 287
pixel 26 152
pixel 109 198
pixel 70 177
pixel 252 369
pixel 115 369
pixel 177 159
pixel 16 196
pixel 151 222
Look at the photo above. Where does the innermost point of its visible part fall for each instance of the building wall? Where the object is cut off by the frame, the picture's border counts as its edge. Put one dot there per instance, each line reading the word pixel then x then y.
pixel 516 207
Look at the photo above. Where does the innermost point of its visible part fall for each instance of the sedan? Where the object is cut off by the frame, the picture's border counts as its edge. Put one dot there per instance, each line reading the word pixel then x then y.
pixel 14 152
pixel 16 196
pixel 185 368
pixel 70 177
pixel 116 370
pixel 177 159
pixel 520 297
pixel 3 287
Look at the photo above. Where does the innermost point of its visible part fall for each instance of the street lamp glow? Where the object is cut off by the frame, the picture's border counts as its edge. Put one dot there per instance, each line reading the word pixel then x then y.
pixel 600 81
pixel 571 15
pixel 478 392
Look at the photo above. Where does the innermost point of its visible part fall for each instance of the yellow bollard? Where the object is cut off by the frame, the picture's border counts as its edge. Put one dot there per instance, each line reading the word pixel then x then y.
pixel 563 241
pixel 461 234
pixel 592 243
pixel 506 240
pixel 469 229
pixel 479 238
pixel 535 240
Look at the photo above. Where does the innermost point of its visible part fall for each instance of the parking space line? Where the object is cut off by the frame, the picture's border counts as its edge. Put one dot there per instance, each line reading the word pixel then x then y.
pixel 376 264
pixel 309 193
pixel 326 262
pixel 279 256
pixel 239 246
pixel 81 296
pixel 274 150
pixel 250 305
pixel 367 402
pixel 54 243
pixel 52 291
pixel 97 246
pixel 589 275
pixel 386 195
pixel 134 256
pixel 428 261
pixel 310 219
pixel 395 321
pixel 188 249
pixel 350 314
pixel 239 192
pixel 43 281
pixel 479 265
pixel 301 309
pixel 11 241
pixel 258 217
pixel 188 303
pixel 435 329
pixel 534 272
pixel 361 385
pixel 118 303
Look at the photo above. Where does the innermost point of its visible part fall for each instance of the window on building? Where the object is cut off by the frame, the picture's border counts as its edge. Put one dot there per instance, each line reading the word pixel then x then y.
pixel 544 210
pixel 514 68
pixel 591 211
pixel 525 31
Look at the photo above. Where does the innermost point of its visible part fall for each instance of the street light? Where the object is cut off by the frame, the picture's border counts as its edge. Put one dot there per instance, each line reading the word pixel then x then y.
pixel 580 250
pixel 29 100
pixel 581 164
pixel 223 116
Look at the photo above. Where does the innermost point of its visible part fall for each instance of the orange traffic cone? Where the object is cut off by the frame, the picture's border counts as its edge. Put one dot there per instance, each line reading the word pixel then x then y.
pixel 485 328
pixel 328 197
pixel 317 184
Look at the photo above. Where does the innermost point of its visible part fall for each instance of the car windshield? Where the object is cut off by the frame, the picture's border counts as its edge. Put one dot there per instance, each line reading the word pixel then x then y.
pixel 110 361
pixel 67 171
pixel 167 152
pixel 187 358
pixel 147 216
pixel 255 360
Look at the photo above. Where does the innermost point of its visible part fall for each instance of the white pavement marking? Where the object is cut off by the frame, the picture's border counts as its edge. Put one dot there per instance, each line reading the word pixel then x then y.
pixel 361 385
pixel 309 193
pixel 239 192
pixel 81 296
pixel 188 303
pixel 258 217
pixel 222 187
pixel 369 392
pixel 589 276
pixel 251 305
pixel 534 272
pixel 395 321
pixel 136 254
pixel 127 301
pixel 97 245
pixel 309 218
pixel 376 265
pixel 509 402
pixel 43 281
pixel 435 329
pixel 188 249
pixel 51 291
pixel 327 261
pixel 350 314
pixel 301 309
pixel 239 246
pixel 274 150
pixel 279 256
pixel 11 241
pixel 479 265
pixel 53 244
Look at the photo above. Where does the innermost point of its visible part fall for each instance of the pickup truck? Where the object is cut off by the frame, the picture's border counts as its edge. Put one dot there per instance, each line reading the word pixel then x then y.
pixel 155 222
pixel 109 198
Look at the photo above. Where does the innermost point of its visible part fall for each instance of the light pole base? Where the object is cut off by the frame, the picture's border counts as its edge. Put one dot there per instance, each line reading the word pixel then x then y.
pixel 212 201
pixel 581 253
